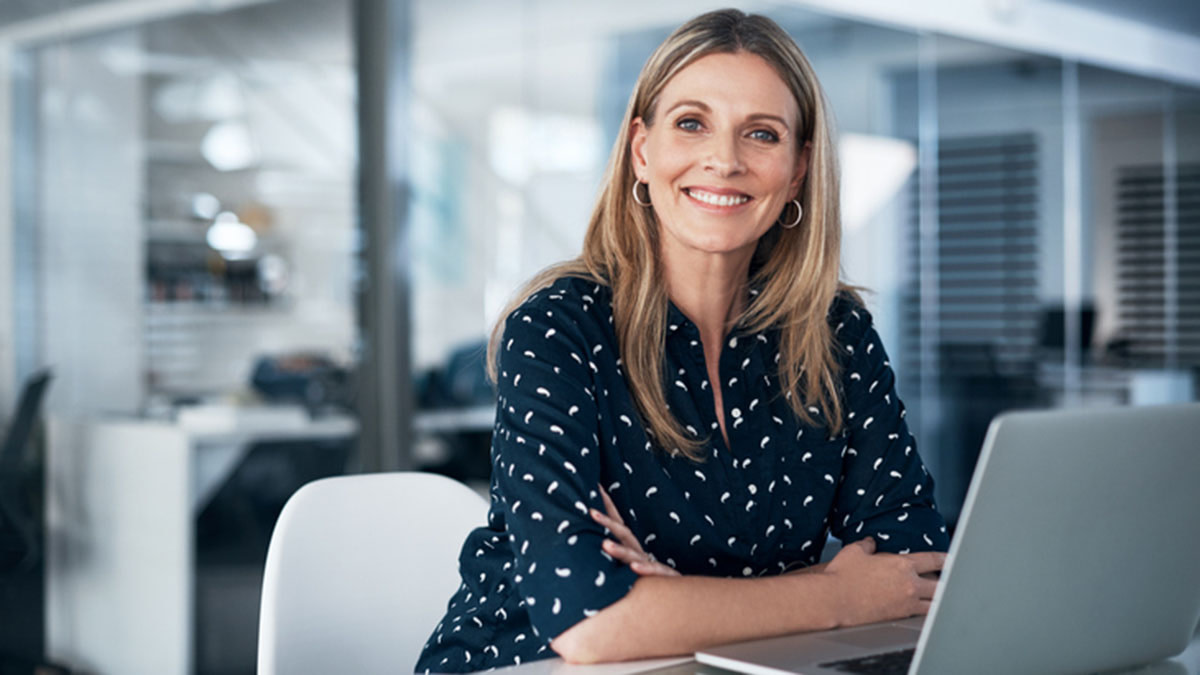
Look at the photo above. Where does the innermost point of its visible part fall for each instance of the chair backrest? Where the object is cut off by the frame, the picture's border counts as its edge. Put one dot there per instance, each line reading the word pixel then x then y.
pixel 28 407
pixel 359 571
pixel 19 527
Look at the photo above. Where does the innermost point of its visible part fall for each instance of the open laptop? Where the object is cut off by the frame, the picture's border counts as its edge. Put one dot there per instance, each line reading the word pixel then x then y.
pixel 1078 550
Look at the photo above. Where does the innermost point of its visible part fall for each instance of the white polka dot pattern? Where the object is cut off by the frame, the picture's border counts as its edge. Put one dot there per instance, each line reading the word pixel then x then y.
pixel 566 425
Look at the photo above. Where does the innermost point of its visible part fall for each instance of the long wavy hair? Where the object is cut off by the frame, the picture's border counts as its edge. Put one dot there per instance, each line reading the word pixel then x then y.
pixel 796 270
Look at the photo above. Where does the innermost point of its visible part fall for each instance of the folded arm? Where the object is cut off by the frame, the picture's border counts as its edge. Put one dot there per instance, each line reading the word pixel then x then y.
pixel 678 615
pixel 668 616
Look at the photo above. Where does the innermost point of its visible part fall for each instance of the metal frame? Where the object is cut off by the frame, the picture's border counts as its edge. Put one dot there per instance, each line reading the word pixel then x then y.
pixel 1073 283
pixel 928 217
pixel 386 402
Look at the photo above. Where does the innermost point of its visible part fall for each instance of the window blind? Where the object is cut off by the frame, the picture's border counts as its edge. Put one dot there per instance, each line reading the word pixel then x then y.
pixel 987 258
pixel 1147 329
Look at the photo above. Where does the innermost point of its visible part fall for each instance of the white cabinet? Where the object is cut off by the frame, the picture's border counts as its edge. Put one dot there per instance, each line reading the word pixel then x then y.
pixel 122 497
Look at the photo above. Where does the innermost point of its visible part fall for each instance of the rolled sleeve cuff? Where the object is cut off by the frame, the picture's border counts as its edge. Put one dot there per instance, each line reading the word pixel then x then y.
pixel 571 582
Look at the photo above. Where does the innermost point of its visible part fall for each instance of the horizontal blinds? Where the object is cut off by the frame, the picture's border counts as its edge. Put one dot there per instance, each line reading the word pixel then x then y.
pixel 1142 273
pixel 987 247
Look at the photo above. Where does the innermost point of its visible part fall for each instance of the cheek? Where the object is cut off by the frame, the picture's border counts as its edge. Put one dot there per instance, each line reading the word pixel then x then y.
pixel 776 171
pixel 668 159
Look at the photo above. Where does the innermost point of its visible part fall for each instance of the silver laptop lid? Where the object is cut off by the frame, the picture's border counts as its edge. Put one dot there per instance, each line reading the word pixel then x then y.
pixel 1078 547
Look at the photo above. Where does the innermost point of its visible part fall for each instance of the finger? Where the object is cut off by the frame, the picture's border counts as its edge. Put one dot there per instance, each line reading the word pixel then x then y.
pixel 927 561
pixel 601 518
pixel 922 608
pixel 624 534
pixel 604 520
pixel 867 544
pixel 610 507
pixel 653 569
pixel 926 589
pixel 622 553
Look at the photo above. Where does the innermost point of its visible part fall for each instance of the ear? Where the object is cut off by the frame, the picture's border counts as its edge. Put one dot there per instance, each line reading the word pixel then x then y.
pixel 637 147
pixel 802 160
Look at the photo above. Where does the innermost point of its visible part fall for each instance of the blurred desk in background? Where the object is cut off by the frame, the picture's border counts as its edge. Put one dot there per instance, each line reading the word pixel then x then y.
pixel 124 498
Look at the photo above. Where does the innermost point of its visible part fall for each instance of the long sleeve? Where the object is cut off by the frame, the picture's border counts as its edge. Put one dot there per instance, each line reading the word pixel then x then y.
pixel 546 463
pixel 885 491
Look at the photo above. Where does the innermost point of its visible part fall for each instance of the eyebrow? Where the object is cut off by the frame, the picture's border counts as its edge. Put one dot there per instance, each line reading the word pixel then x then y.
pixel 704 106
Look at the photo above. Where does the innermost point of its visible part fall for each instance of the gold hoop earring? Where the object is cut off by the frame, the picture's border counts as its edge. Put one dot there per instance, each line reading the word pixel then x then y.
pixel 641 203
pixel 792 223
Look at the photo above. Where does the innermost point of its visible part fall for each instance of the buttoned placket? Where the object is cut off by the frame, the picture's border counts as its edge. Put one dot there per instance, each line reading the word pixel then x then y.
pixel 685 336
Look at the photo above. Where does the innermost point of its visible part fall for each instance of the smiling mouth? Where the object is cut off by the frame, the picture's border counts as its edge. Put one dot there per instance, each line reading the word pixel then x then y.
pixel 715 199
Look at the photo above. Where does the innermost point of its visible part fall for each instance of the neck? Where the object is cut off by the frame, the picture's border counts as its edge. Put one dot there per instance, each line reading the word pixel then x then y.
pixel 710 289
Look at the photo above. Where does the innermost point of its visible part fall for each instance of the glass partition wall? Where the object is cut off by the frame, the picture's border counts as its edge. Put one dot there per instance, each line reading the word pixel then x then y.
pixel 974 210
pixel 189 191
pixel 515 117
pixel 1140 196
pixel 185 240
pixel 184 203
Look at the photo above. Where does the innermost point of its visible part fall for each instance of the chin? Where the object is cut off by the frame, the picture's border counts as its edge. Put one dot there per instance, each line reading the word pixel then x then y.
pixel 719 243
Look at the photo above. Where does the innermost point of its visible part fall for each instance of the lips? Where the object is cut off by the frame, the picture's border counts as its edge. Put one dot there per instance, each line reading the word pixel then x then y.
pixel 717 197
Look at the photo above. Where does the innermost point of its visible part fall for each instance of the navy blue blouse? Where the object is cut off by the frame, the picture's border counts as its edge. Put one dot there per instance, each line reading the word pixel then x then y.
pixel 566 425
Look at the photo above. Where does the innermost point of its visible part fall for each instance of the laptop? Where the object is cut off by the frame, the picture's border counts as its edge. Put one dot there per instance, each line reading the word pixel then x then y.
pixel 1078 550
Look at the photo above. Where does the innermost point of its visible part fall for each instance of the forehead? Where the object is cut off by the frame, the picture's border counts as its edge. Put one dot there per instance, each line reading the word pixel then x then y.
pixel 740 83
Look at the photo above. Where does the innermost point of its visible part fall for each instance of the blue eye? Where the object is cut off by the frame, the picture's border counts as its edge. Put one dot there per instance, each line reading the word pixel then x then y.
pixel 688 124
pixel 765 135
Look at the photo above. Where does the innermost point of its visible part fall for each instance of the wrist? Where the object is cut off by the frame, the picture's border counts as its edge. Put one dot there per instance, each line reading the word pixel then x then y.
pixel 837 598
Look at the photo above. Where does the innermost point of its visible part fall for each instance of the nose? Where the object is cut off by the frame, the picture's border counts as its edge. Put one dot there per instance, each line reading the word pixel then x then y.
pixel 723 158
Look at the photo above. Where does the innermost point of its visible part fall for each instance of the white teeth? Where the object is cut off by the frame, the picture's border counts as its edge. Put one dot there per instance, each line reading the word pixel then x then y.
pixel 718 200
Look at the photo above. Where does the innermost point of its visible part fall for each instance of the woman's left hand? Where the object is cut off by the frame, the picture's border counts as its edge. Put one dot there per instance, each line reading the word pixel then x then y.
pixel 627 548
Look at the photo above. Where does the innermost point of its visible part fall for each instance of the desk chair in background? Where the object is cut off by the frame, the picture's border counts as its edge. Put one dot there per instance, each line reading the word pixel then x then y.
pixel 20 545
pixel 359 571
pixel 22 537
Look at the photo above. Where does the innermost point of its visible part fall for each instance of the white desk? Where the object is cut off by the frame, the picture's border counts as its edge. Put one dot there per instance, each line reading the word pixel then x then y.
pixel 121 500
pixel 1187 663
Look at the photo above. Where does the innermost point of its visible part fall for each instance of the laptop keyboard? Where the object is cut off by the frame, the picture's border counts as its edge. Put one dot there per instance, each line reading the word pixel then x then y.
pixel 888 663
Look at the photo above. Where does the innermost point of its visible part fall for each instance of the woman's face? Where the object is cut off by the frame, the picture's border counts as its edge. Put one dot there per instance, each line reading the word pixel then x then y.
pixel 721 157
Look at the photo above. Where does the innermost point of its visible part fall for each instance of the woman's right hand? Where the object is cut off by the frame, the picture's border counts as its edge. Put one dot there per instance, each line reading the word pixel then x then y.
pixel 627 548
pixel 882 586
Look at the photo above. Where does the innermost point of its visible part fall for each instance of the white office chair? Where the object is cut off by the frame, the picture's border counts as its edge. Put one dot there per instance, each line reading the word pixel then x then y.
pixel 360 570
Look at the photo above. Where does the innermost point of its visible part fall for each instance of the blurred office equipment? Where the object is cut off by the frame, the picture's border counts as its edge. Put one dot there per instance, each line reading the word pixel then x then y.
pixel 312 380
pixel 456 411
pixel 157 532
pixel 359 570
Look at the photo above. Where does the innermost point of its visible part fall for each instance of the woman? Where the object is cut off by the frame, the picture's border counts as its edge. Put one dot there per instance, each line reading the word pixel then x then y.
pixel 690 407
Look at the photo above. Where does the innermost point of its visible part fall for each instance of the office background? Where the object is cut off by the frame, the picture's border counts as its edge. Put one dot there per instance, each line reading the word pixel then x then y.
pixel 258 242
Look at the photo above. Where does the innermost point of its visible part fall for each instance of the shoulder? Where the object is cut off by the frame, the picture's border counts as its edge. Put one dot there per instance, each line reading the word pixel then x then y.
pixel 565 302
pixel 849 319
pixel 575 311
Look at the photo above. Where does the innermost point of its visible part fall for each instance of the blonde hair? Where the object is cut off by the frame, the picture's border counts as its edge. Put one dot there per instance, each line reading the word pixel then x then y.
pixel 796 270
